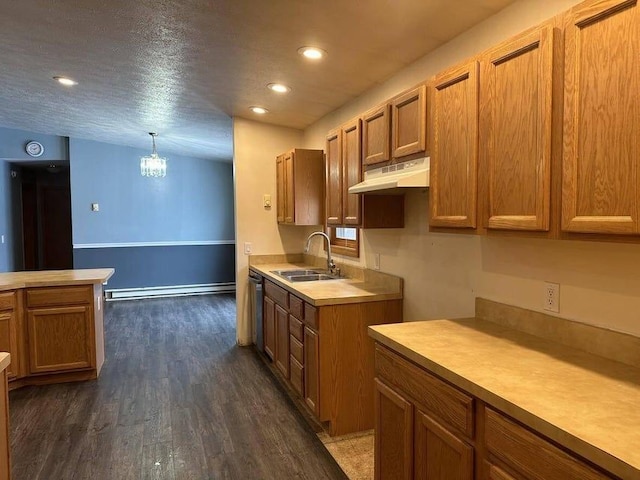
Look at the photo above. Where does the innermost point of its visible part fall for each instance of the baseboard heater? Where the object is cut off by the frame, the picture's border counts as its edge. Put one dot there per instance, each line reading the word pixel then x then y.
pixel 168 291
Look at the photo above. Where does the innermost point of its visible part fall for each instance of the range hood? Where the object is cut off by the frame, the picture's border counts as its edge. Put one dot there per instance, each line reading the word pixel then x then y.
pixel 390 179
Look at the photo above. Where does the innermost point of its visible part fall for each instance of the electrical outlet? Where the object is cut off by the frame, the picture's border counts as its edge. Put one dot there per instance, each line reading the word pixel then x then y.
pixel 95 207
pixel 247 248
pixel 266 200
pixel 552 297
pixel 376 261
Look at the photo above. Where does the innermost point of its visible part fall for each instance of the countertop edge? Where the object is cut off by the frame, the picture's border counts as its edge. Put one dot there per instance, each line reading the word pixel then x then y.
pixel 581 447
pixel 104 276
pixel 5 360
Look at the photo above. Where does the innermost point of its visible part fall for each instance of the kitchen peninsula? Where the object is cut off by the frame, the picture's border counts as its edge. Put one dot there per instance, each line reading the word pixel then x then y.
pixel 51 322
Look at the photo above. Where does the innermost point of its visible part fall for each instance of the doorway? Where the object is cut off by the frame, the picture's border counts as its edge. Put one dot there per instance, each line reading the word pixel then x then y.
pixel 45 211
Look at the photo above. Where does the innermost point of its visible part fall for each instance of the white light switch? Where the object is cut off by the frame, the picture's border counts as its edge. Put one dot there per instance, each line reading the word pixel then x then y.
pixel 247 248
pixel 266 200
pixel 95 207
pixel 2 238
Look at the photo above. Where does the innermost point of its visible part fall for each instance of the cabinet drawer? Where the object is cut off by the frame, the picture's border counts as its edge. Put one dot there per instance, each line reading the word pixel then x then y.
pixel 296 349
pixel 296 307
pixel 533 456
pixel 297 376
pixel 7 300
pixel 296 328
pixel 311 316
pixel 447 403
pixel 277 294
pixel 47 297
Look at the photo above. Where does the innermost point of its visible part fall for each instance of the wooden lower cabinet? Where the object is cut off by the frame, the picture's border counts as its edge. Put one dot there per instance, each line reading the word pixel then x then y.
pixel 440 454
pixel 421 433
pixel 60 338
pixel 5 450
pixel 312 370
pixel 9 340
pixel 269 326
pixel 282 340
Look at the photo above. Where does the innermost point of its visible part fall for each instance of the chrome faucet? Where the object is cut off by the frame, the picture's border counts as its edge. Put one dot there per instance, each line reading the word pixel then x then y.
pixel 330 265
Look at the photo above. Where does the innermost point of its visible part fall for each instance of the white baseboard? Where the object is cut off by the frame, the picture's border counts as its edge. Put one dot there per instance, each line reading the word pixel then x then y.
pixel 168 291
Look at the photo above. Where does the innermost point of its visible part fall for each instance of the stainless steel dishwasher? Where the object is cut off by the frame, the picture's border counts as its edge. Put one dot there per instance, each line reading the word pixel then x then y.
pixel 255 300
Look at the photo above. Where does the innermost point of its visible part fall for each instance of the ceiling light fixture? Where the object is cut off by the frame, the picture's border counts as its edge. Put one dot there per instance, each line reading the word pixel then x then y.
pixel 258 110
pixel 312 53
pixel 278 87
pixel 67 82
pixel 153 165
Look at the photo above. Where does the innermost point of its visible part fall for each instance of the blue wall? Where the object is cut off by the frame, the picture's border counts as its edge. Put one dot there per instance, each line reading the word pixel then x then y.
pixel 6 248
pixel 189 213
pixel 12 143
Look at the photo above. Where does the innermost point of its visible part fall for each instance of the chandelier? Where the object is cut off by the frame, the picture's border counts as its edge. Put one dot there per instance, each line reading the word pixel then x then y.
pixel 153 165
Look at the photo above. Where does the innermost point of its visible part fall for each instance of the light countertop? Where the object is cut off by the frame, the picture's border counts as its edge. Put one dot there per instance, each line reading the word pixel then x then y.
pixel 587 403
pixel 5 359
pixel 335 292
pixel 52 278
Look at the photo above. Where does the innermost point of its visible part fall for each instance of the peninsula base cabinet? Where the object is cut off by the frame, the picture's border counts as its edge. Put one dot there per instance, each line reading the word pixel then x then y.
pixel 5 446
pixel 330 356
pixel 428 429
pixel 54 334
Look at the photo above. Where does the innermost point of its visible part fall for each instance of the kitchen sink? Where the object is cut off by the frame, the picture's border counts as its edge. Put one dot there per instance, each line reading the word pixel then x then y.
pixel 305 275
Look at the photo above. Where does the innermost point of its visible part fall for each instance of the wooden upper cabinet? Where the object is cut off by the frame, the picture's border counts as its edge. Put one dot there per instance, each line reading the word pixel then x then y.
pixel 351 171
pixel 334 178
pixel 280 188
pixel 300 187
pixel 516 86
pixel 600 182
pixel 376 129
pixel 454 159
pixel 409 122
pixel 289 189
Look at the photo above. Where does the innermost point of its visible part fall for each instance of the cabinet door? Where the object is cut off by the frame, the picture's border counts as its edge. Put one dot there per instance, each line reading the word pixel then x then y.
pixel 439 454
pixel 269 327
pixel 9 340
pixel 60 338
pixel 334 178
pixel 280 190
pixel 393 434
pixel 496 473
pixel 376 130
pixel 454 159
pixel 600 181
pixel 5 447
pixel 515 131
pixel 289 189
pixel 409 122
pixel 351 171
pixel 312 370
pixel 282 340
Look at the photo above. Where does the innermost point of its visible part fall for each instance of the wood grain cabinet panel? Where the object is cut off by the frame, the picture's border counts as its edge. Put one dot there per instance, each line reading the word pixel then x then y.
pixel 516 131
pixel 280 189
pixel 269 326
pixel 351 171
pixel 9 340
pixel 394 434
pixel 438 453
pixel 5 445
pixel 601 181
pixel 282 340
pixel 48 297
pixel 60 338
pixel 454 159
pixel 312 370
pixel 376 130
pixel 334 178
pixel 409 122
pixel 494 472
pixel 300 187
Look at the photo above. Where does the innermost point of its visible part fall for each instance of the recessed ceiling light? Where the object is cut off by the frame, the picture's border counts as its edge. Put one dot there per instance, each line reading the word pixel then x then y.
pixel 67 82
pixel 278 87
pixel 258 110
pixel 312 53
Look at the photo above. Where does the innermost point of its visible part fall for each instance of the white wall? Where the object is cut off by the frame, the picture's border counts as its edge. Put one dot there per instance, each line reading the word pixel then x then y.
pixel 443 273
pixel 256 146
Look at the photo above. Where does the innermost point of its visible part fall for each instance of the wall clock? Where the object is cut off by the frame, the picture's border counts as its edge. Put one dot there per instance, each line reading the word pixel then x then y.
pixel 35 149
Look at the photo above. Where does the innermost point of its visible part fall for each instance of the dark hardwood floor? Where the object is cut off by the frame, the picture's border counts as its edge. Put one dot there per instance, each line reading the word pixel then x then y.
pixel 177 399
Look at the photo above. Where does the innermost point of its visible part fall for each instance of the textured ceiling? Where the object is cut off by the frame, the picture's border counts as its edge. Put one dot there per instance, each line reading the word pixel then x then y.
pixel 183 68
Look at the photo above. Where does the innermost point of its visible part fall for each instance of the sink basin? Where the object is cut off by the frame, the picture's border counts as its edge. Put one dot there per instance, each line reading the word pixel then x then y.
pixel 311 278
pixel 291 273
